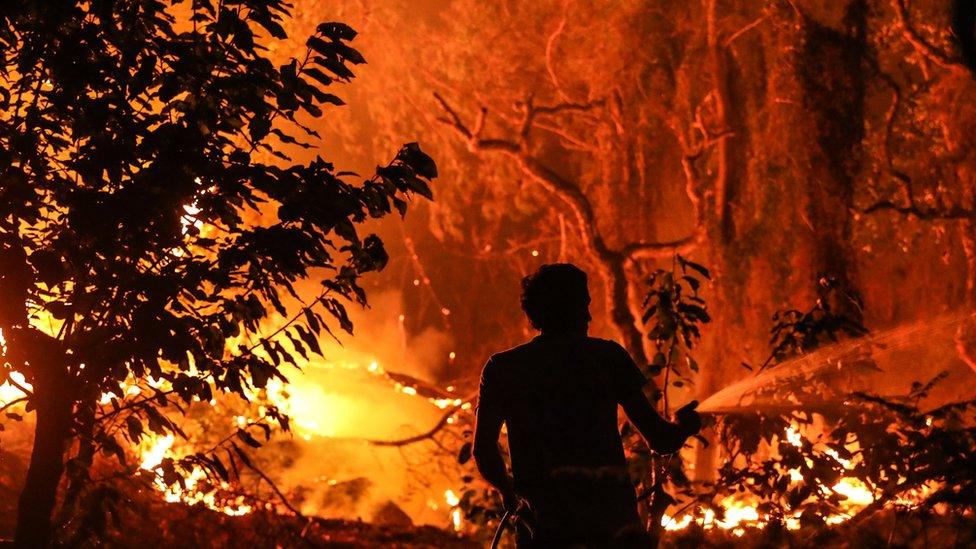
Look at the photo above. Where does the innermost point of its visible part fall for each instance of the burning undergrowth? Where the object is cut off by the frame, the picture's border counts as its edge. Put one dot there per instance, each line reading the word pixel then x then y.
pixel 837 430
pixel 298 448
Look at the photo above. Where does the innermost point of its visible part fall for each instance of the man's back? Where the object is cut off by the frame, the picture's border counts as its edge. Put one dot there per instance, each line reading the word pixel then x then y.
pixel 558 396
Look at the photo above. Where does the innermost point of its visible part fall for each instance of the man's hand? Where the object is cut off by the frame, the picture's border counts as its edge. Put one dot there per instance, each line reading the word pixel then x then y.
pixel 688 419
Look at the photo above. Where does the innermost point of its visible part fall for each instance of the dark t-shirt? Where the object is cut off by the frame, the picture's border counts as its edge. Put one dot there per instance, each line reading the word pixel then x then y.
pixel 558 396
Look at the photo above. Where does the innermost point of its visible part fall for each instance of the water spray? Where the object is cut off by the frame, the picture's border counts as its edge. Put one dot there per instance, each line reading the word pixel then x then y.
pixel 896 357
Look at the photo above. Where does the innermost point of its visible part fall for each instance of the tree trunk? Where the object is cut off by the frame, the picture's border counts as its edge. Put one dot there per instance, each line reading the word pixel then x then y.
pixel 618 306
pixel 966 334
pixel 54 403
pixel 37 500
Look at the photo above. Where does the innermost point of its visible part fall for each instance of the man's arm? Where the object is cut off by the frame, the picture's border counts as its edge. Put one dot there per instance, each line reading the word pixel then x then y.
pixel 487 455
pixel 661 435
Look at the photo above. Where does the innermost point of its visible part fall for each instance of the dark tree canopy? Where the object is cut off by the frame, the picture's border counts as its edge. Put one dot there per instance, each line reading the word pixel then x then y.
pixel 149 204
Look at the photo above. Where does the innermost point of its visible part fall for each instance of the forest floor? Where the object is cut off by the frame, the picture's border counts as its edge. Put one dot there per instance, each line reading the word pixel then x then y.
pixel 180 526
pixel 192 527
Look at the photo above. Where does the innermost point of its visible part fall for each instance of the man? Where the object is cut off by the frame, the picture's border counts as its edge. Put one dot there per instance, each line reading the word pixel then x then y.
pixel 558 397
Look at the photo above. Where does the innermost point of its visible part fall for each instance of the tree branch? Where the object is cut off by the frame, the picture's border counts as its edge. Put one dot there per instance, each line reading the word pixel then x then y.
pixel 611 262
pixel 567 191
pixel 911 208
pixel 277 491
pixel 550 47
pixel 924 214
pixel 735 35
pixel 430 433
pixel 720 93
pixel 920 45
pixel 12 403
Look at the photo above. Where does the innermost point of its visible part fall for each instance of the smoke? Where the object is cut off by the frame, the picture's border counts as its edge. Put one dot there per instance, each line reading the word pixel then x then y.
pixel 339 402
pixel 380 336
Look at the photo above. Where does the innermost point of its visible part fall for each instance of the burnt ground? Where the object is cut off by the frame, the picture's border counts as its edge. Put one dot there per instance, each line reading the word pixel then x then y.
pixel 181 526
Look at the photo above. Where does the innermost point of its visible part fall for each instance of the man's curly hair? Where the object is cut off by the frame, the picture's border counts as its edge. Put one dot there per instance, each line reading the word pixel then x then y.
pixel 556 298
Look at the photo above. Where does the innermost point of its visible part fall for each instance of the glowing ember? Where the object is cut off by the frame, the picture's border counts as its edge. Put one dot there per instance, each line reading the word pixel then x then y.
pixel 453 501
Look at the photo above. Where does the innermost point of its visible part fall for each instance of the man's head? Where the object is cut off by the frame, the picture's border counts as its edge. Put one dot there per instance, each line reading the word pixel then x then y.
pixel 556 299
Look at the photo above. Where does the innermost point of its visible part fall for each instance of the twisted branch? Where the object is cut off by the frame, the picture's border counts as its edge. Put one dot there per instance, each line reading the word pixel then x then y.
pixel 430 433
pixel 567 191
pixel 919 43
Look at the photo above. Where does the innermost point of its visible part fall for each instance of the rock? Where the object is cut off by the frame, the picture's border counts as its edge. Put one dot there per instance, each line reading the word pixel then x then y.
pixel 390 514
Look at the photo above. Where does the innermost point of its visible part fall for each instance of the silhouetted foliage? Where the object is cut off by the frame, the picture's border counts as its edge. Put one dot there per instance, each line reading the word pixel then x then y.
pixel 904 456
pixel 153 219
pixel 673 315
pixel 796 332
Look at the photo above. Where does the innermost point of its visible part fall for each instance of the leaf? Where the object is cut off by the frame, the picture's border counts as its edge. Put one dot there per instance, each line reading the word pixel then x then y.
pixel 219 467
pixel 695 266
pixel 242 454
pixel 420 162
pixel 310 340
pixel 335 66
pixel 336 31
pixel 111 446
pixel 233 464
pixel 248 439
pixel 297 344
pixel 332 99
pixel 464 454
pixel 157 423
pixel 692 281
pixel 311 320
pixel 134 427
pixel 319 76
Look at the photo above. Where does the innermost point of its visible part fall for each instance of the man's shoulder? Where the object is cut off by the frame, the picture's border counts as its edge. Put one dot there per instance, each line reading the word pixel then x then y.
pixel 503 365
pixel 605 345
pixel 531 349
pixel 515 354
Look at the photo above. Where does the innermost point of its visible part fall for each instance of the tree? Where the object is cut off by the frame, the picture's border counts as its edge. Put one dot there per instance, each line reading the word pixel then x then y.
pixel 152 216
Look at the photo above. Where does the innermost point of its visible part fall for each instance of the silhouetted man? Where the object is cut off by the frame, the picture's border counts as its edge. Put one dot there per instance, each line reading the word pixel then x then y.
pixel 558 397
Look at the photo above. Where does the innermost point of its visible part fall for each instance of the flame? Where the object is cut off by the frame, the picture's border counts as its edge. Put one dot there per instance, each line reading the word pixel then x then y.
pixel 9 391
pixel 314 411
pixel 453 501
pixel 156 451
pixel 157 448
pixel 741 513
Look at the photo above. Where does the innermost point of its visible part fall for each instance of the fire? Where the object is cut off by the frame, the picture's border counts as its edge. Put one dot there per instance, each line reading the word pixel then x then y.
pixel 737 516
pixel 156 451
pixel 10 391
pixel 741 513
pixel 453 501
pixel 314 412
pixel 153 450
pixel 317 412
